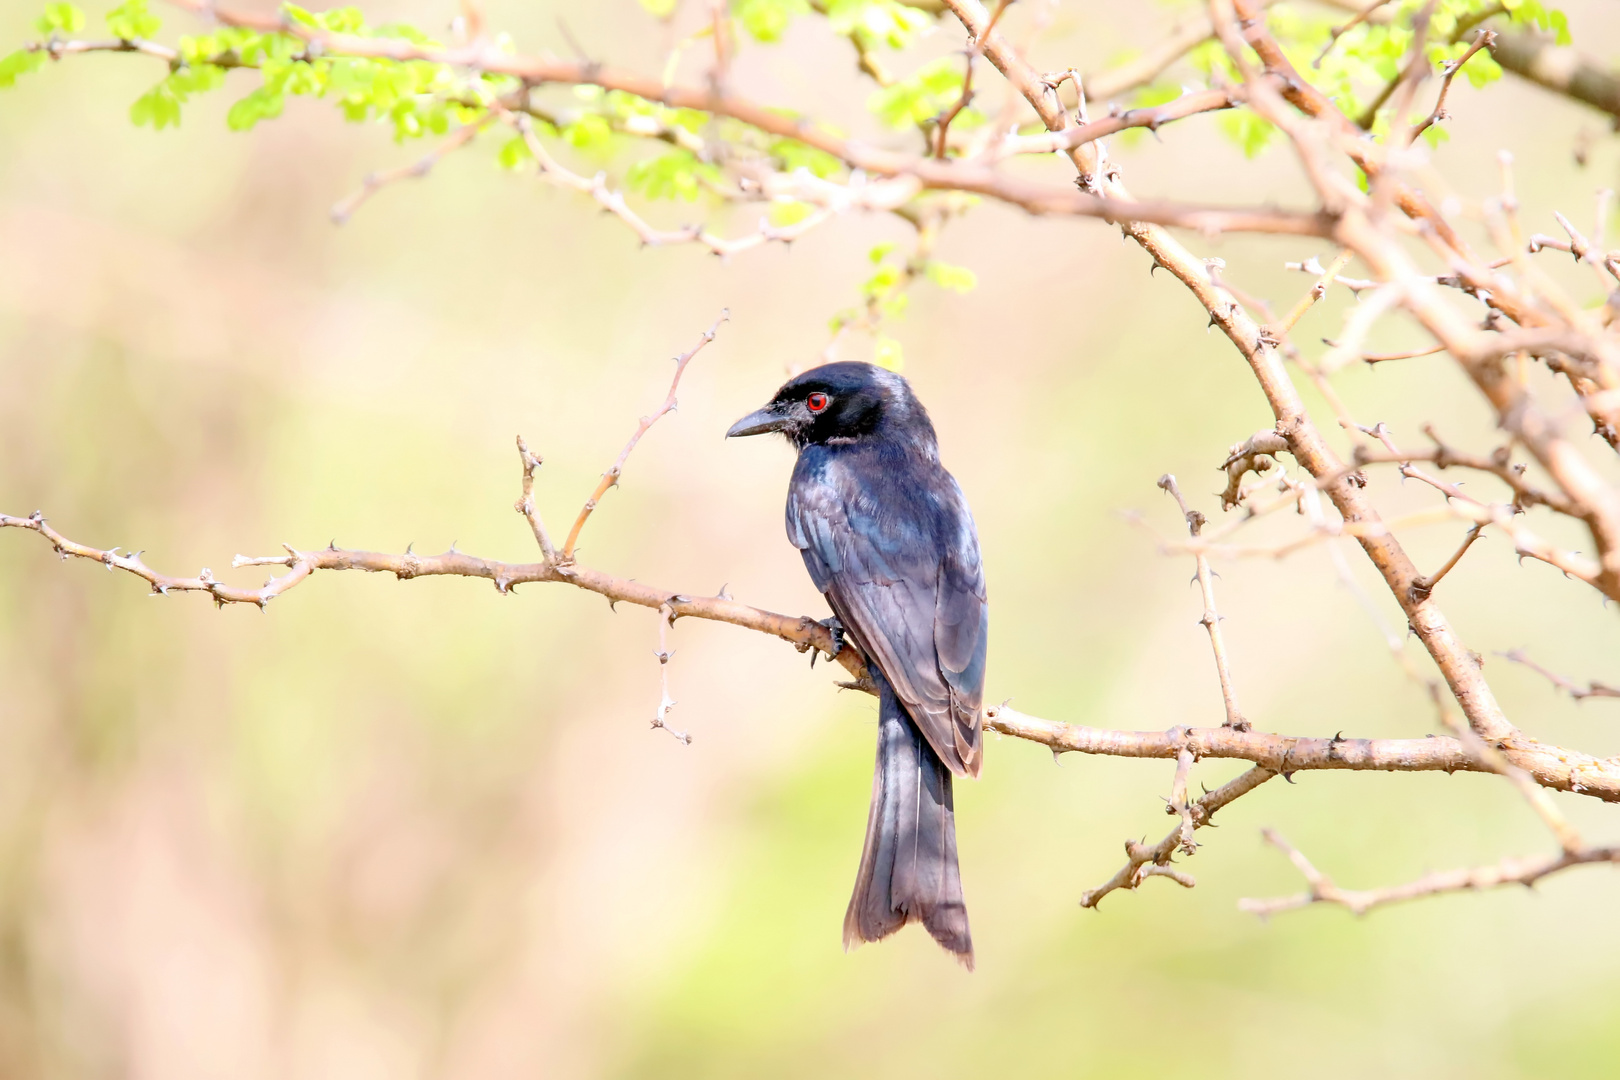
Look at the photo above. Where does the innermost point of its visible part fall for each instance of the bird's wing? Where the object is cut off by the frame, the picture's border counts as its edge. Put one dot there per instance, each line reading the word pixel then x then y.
pixel 908 586
pixel 961 613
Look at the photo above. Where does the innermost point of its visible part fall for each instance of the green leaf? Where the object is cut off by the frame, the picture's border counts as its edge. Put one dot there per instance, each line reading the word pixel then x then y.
pixel 261 104
pixel 663 9
pixel 1247 128
pixel 21 62
pixel 886 354
pixel 299 15
pixel 158 107
pixel 933 89
pixel 61 18
pixel 881 251
pixel 405 32
pixel 767 20
pixel 894 24
pixel 1434 135
pixel 676 175
pixel 955 278
pixel 789 212
pixel 131 20
pixel 794 155
pixel 343 20
pixel 589 133
pixel 883 282
pixel 515 153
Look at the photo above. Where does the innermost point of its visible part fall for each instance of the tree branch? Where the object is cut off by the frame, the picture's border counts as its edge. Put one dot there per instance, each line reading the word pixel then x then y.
pixel 1552 766
pixel 1507 872
pixel 1143 861
pixel 1559 69
pixel 610 479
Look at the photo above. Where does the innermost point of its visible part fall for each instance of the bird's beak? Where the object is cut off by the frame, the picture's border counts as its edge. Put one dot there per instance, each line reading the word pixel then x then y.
pixel 758 423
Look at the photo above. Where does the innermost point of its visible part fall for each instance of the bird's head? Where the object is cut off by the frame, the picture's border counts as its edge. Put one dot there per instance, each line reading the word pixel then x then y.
pixel 840 403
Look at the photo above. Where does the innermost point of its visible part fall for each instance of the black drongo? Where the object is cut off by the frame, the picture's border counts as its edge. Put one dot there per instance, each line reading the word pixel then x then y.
pixel 887 537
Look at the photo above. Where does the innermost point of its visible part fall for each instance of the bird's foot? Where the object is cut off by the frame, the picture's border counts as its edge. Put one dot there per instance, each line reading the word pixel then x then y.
pixel 836 630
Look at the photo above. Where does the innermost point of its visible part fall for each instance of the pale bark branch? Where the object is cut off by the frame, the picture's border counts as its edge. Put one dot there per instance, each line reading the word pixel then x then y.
pixel 610 479
pixel 1322 889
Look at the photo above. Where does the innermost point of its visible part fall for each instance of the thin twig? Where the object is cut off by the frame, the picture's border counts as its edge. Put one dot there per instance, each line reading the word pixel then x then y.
pixel 1211 620
pixel 1483 39
pixel 1143 860
pixel 1384 358
pixel 1322 890
pixel 345 209
pixel 1425 585
pixel 1593 689
pixel 610 479
pixel 525 505
pixel 974 51
pixel 1339 31
pixel 666 619
pixel 1179 805
pixel 1279 330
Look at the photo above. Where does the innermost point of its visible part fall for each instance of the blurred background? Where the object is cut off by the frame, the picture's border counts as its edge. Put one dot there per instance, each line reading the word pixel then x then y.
pixel 418 829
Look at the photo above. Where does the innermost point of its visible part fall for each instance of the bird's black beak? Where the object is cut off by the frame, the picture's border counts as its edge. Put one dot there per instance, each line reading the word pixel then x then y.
pixel 758 423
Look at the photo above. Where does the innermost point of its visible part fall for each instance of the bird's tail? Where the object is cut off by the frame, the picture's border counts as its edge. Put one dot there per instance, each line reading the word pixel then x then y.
pixel 908 868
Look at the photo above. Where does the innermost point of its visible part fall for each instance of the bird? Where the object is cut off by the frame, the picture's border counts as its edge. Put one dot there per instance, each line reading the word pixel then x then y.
pixel 888 539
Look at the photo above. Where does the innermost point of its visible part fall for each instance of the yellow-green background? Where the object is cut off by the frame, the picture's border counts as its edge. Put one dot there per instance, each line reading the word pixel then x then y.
pixel 419 829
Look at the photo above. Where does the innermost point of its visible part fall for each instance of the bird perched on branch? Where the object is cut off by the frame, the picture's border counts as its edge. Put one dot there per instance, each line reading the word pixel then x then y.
pixel 888 539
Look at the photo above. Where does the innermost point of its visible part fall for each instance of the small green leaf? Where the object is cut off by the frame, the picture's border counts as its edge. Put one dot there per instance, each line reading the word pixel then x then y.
pixel 131 21
pixel 886 354
pixel 663 9
pixel 881 252
pixel 955 278
pixel 299 15
pixel 158 107
pixel 676 175
pixel 343 20
pixel 883 282
pixel 767 20
pixel 1434 135
pixel 21 62
pixel 894 24
pixel 933 89
pixel 60 18
pixel 794 155
pixel 1247 128
pixel 261 104
pixel 515 153
pixel 589 133
pixel 789 212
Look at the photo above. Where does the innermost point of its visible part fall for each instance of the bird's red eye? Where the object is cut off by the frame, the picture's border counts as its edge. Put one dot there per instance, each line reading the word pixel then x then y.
pixel 816 401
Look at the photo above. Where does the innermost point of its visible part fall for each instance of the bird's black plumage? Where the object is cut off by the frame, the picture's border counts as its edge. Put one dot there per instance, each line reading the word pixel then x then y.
pixel 888 538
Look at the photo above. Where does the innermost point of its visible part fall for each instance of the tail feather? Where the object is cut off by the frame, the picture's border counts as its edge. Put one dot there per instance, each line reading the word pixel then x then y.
pixel 908 871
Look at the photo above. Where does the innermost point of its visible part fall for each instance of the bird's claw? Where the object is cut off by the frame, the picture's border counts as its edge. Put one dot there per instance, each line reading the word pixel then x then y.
pixel 835 630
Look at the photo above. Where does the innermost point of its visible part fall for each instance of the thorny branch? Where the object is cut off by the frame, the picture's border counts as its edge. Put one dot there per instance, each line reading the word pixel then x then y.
pixel 610 479
pixel 1593 689
pixel 1211 619
pixel 1528 319
pixel 1322 890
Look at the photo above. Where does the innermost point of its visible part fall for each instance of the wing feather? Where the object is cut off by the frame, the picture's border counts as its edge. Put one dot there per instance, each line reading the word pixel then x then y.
pixel 901 568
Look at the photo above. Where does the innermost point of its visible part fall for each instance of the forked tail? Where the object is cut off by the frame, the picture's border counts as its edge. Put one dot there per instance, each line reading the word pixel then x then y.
pixel 908 868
